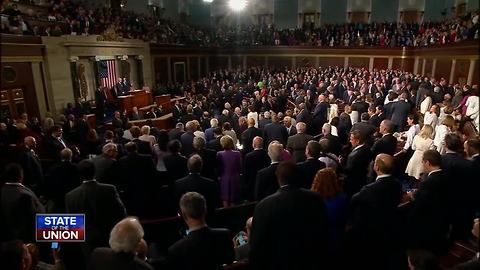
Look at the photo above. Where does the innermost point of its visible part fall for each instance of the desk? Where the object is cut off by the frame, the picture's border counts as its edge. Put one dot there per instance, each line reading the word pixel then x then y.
pixel 92 121
pixel 137 98
pixel 163 122
pixel 167 102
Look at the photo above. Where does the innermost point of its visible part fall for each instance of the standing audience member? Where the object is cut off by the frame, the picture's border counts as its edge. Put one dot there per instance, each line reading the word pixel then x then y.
pixel 254 161
pixel 32 168
pixel 202 247
pixel 357 165
pixel 266 181
pixel 312 165
pixel 230 166
pixel 421 143
pixel 209 158
pixel 175 163
pixel 297 143
pixel 248 135
pixel 387 144
pixel 441 131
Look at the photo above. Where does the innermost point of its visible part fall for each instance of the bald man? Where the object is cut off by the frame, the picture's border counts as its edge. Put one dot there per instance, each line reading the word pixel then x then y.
pixel 374 221
pixel 248 135
pixel 32 168
pixel 254 162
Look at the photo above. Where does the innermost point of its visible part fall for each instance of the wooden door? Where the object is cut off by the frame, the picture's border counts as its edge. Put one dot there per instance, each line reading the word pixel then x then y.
pixel 12 103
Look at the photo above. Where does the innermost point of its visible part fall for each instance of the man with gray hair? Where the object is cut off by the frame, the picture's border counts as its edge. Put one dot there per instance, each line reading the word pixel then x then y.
pixel 209 135
pixel 297 143
pixel 254 161
pixel 195 182
pixel 106 164
pixel 125 242
pixel 203 247
pixel 209 158
pixel 266 183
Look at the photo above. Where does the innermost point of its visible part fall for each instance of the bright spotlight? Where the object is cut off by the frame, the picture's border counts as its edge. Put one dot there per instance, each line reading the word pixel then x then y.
pixel 207 1
pixel 237 5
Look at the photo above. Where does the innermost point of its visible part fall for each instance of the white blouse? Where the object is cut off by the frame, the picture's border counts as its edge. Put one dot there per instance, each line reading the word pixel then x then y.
pixel 430 119
pixel 439 140
pixel 411 132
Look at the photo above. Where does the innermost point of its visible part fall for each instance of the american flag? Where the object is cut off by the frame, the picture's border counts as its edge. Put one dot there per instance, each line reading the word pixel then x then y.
pixel 107 73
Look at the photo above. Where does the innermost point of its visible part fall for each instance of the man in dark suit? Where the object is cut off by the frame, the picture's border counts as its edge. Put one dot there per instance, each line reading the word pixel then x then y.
pixel 142 146
pixel 334 144
pixel 187 138
pixel 266 182
pixel 32 169
pixel 55 143
pixel 387 144
pixel 320 113
pixel 176 133
pixel 106 166
pixel 472 148
pixel 297 143
pixel 18 206
pixel 61 179
pixel 291 130
pixel 400 111
pixel 195 182
pixel 248 135
pixel 356 167
pixel 203 247
pixel 137 173
pixel 428 218
pixel 214 144
pixel 117 89
pixel 209 158
pixel 303 114
pixel 125 239
pixel 378 117
pixel 255 161
pixel 374 218
pixel 209 131
pixel 101 102
pixel 290 229
pixel 99 202
pixel 367 129
pixel 275 131
pixel 312 165
pixel 461 186
pixel 175 163
pixel 117 120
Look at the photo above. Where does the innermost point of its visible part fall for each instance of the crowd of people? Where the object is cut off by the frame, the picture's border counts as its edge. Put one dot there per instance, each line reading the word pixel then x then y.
pixel 82 19
pixel 342 162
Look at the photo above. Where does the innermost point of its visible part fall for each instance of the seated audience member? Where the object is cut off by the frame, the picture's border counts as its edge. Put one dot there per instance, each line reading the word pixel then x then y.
pixel 229 169
pixel 202 247
pixel 151 113
pixel 209 158
pixel 387 144
pixel 422 260
pixel 297 143
pixel 125 242
pixel 428 219
pixel 312 165
pixel 326 184
pixel 101 205
pixel 142 146
pixel 254 161
pixel 421 143
pixel 18 206
pixel 194 182
pixel 175 163
pixel 374 218
pixel 242 246
pixel 137 174
pixel 106 166
pixel 134 115
pixel 356 167
pixel 266 182
pixel 299 217
pixel 62 178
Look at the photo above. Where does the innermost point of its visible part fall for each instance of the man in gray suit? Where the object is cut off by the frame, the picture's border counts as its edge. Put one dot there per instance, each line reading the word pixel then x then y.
pixel 106 164
pixel 297 143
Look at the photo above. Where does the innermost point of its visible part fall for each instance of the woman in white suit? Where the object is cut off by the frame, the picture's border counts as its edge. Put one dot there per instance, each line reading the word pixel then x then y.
pixel 440 132
pixel 421 143
pixel 472 109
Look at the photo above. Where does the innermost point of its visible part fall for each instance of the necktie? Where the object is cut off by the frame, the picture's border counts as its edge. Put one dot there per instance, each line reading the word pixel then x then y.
pixel 62 142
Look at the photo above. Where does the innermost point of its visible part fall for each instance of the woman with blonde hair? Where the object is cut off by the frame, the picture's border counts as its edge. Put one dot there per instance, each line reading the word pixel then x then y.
pixel 146 137
pixel 421 143
pixel 230 166
pixel 440 131
pixel 326 184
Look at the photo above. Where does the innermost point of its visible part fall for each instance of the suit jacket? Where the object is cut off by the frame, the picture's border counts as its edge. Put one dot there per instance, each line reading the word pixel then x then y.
pixel 334 144
pixel 310 167
pixel 187 143
pixel 293 131
pixel 18 206
pixel 290 231
pixel 385 145
pixel 194 182
pixel 296 145
pixel 209 158
pixel 61 179
pixel 266 182
pixel 356 170
pixel 106 170
pixel 175 134
pixel 275 131
pixel 53 146
pixel 247 138
pixel 388 110
pixel 32 169
pixel 376 119
pixel 367 131
pixel 320 114
pixel 215 144
pixel 374 211
pixel 176 167
pixel 254 162
pixel 209 134
pixel 428 218
pixel 117 123
pixel 400 111
pixel 106 259
pixel 205 248
pixel 102 208
pixel 143 146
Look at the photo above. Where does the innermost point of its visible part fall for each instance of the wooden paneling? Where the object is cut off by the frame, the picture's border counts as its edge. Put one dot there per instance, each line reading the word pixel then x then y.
pixel 280 61
pixel 304 61
pixel 358 62
pixel 161 70
pixel 404 64
pixel 331 61
pixel 253 61
pixel 237 61
pixel 428 67
pixel 461 71
pixel 21 77
pixel 218 62
pixel 476 73
pixel 443 68
pixel 380 63
pixel 193 69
